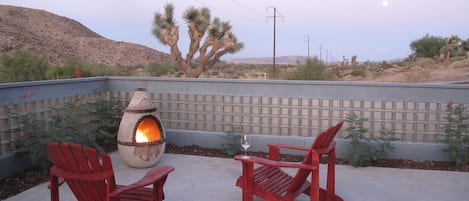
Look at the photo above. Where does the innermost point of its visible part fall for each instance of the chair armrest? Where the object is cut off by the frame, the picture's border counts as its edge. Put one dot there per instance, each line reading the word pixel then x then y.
pixel 286 146
pixel 274 150
pixel 273 163
pixel 152 176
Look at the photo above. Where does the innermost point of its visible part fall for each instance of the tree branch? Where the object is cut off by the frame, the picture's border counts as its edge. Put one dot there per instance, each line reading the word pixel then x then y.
pixel 217 57
pixel 171 37
pixel 195 42
pixel 208 42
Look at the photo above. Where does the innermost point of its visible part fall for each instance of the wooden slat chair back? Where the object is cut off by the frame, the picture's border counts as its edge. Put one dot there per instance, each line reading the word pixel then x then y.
pixel 271 183
pixel 90 176
pixel 320 145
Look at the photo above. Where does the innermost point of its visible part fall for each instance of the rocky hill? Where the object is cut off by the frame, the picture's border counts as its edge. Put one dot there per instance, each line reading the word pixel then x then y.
pixel 58 38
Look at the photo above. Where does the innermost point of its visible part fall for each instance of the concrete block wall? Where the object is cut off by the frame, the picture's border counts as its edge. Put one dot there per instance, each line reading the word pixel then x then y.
pixel 414 112
pixel 272 110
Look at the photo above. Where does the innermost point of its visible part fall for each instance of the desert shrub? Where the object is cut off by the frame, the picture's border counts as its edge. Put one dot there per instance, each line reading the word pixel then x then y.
pixel 359 72
pixel 72 68
pixel 313 69
pixel 427 46
pixel 335 73
pixel 77 121
pixel 425 61
pixel 458 58
pixel 161 68
pixel 106 113
pixel 103 70
pixel 365 150
pixel 250 66
pixel 22 66
pixel 179 74
pixel 457 134
pixel 221 67
pixel 231 144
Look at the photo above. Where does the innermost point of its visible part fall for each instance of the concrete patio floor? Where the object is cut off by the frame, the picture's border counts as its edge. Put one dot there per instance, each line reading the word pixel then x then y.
pixel 199 178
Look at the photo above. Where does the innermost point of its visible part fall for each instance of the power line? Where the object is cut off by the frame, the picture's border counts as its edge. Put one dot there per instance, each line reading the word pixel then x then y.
pixel 256 12
pixel 224 11
pixel 329 58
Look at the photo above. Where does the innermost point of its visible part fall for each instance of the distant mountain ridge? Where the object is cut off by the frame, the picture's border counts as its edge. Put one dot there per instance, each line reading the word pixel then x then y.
pixel 58 38
pixel 268 60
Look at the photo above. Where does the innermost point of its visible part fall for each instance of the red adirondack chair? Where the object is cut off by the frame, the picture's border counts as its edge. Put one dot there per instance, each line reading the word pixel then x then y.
pixel 90 176
pixel 269 182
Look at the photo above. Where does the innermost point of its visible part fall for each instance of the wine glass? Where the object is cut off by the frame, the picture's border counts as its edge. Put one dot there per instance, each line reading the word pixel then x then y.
pixel 245 144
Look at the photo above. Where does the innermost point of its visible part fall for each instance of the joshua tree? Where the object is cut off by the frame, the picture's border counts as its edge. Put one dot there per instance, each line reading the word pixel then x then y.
pixel 354 60
pixel 218 42
pixel 450 44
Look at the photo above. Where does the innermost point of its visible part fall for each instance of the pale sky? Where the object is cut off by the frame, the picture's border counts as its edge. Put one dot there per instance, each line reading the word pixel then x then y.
pixel 366 28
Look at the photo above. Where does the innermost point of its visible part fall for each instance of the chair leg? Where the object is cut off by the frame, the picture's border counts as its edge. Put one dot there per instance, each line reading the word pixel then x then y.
pixel 158 193
pixel 248 177
pixel 331 175
pixel 54 188
pixel 314 189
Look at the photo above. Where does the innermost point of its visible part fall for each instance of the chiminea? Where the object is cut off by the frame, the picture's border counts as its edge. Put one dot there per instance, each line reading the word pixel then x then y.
pixel 141 138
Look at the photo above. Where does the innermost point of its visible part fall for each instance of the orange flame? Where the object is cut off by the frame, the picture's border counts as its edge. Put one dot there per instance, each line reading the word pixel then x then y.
pixel 140 137
pixel 147 131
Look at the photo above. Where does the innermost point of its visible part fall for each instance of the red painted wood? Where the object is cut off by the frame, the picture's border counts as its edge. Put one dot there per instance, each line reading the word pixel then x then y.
pixel 269 182
pixel 90 176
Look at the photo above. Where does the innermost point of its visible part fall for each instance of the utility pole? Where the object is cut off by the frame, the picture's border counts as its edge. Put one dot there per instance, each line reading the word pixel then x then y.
pixel 327 55
pixel 307 40
pixel 274 76
pixel 320 53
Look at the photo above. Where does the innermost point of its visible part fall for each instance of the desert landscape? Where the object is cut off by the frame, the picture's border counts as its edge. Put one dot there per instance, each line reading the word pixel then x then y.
pixel 65 48
pixel 57 39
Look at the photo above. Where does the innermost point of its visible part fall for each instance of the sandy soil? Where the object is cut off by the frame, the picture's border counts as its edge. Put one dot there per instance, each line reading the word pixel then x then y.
pixel 421 72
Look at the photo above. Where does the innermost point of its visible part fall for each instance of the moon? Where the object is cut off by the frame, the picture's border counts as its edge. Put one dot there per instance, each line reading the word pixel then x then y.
pixel 385 3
